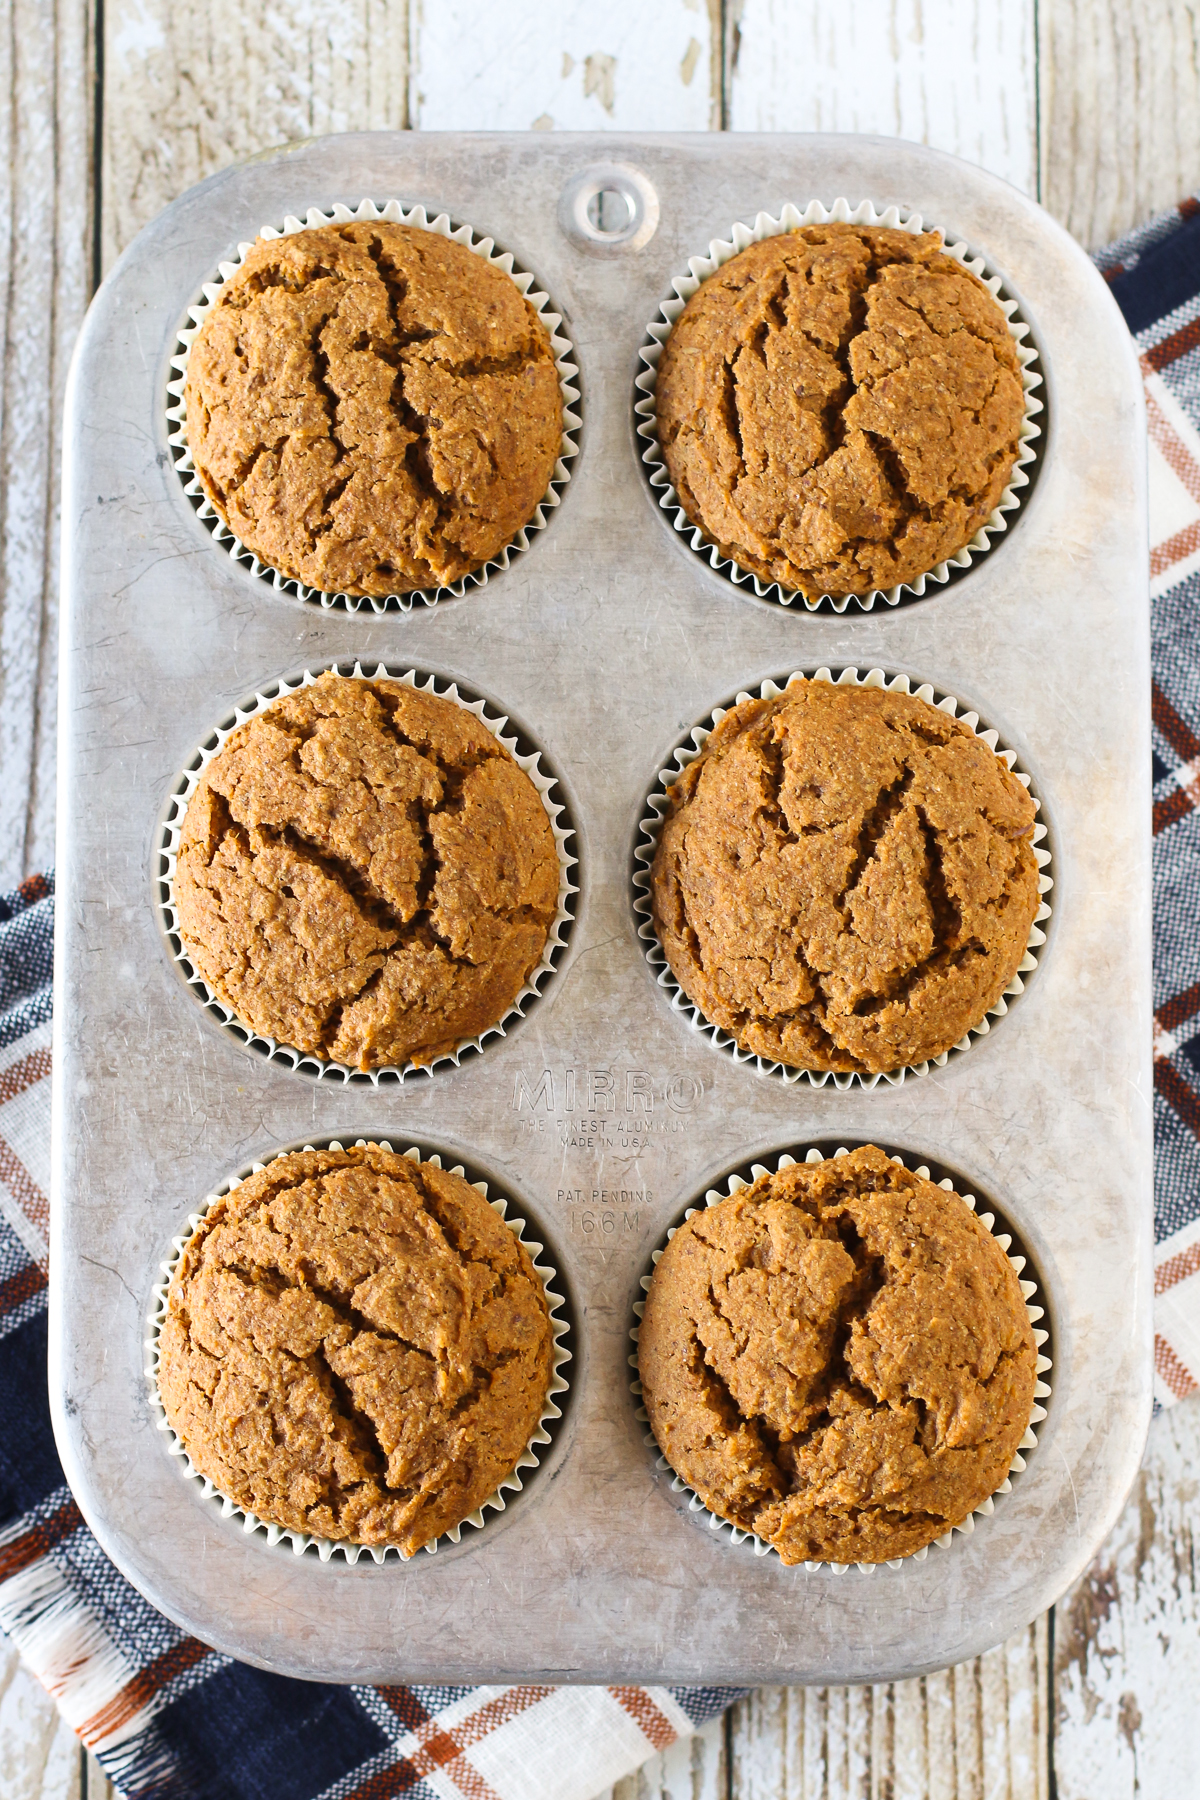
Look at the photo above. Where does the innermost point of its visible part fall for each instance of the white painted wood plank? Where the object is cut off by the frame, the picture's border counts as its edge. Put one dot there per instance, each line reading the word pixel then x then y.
pixel 844 1752
pixel 710 1775
pixel 39 1755
pixel 910 1758
pixel 968 1745
pixel 74 76
pixel 977 1732
pixel 565 64
pixel 1127 1638
pixel 862 1703
pixel 62 1777
pixel 939 1736
pixel 45 220
pixel 1028 1695
pixel 957 74
pixel 25 451
pixel 96 1785
pixel 692 1768
pixel 804 1774
pixel 8 137
pixel 882 1757
pixel 995 1775
pixel 190 89
pixel 759 1738
pixel 1120 95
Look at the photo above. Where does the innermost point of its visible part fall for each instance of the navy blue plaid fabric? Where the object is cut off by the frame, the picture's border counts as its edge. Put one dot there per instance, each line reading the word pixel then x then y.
pixel 26 946
pixel 173 1720
pixel 1155 278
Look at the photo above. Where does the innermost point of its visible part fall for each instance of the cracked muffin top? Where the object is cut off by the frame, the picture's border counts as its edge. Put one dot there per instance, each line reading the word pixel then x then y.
pixel 840 407
pixel 845 878
pixel 355 1345
pixel 365 873
pixel 839 1359
pixel 372 408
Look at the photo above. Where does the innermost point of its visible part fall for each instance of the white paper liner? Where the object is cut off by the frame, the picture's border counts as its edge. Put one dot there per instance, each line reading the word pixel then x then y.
pixel 721 251
pixel 657 802
pixel 395 212
pixel 1041 1391
pixel 301 1541
pixel 168 849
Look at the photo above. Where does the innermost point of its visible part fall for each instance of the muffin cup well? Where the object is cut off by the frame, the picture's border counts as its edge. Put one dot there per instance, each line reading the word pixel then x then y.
pixel 721 251
pixel 1029 1289
pixel 167 850
pixel 300 1541
pixel 396 213
pixel 658 801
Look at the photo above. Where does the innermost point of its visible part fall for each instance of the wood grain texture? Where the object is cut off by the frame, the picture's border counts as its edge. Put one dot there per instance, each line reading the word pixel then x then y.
pixel 39 1754
pixel 977 1732
pixel 1120 98
pixel 96 1785
pixel 1127 1638
pixel 190 89
pixel 957 74
pixel 45 281
pixel 547 65
pixel 692 1769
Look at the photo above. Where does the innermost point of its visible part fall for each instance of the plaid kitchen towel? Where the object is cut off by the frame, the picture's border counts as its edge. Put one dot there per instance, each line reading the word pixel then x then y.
pixel 171 1719
pixel 1155 277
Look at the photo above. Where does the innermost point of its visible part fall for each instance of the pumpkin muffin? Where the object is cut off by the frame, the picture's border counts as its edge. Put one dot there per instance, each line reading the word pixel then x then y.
pixel 838 1359
pixel 372 408
pixel 845 878
pixel 365 873
pixel 840 407
pixel 355 1345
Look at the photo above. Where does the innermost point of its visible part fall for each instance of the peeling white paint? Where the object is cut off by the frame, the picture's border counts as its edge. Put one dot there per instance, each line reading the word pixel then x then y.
pixel 138 32
pixel 622 66
pixel 957 74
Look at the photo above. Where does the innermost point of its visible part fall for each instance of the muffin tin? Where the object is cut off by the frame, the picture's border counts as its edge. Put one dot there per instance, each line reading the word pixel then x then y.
pixel 602 1114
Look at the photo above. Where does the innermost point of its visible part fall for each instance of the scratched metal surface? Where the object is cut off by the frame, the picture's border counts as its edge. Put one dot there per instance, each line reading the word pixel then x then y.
pixel 602 1115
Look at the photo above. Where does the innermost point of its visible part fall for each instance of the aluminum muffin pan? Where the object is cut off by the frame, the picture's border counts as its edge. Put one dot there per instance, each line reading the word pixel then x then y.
pixel 602 1114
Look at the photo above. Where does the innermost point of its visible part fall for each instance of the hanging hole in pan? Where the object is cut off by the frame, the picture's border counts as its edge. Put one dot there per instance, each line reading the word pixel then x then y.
pixel 609 212
pixel 608 209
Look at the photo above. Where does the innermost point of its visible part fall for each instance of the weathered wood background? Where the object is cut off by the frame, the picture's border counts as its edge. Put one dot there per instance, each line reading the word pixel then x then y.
pixel 110 108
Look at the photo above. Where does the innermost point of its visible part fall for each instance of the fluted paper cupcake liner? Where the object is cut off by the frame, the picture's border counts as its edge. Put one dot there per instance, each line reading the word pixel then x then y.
pixel 300 1541
pixel 984 1510
pixel 321 1068
pixel 721 251
pixel 658 801
pixel 396 213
